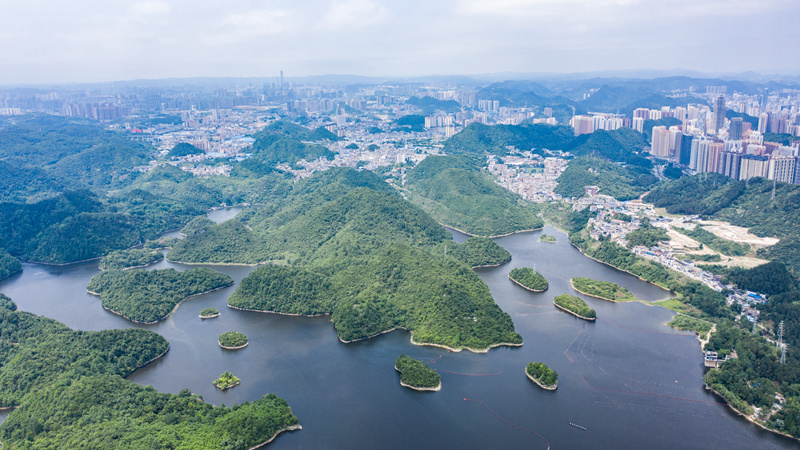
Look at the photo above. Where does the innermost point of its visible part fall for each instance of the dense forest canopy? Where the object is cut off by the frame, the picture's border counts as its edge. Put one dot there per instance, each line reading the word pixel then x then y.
pixel 415 373
pixel 619 181
pixel 455 192
pixel 150 296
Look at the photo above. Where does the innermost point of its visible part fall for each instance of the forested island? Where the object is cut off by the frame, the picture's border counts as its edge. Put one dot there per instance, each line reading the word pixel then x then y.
pixel 547 238
pixel 233 340
pixel 150 296
pixel 455 192
pixel 417 375
pixel 543 376
pixel 209 313
pixel 529 279
pixel 575 305
pixel 69 390
pixel 374 262
pixel 226 381
pixel 601 289
pixel 130 259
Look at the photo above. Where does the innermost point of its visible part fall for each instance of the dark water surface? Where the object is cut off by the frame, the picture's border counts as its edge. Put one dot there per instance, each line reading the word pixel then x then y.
pixel 630 380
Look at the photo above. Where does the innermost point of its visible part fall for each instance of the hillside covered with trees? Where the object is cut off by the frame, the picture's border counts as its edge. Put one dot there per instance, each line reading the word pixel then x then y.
pixel 456 193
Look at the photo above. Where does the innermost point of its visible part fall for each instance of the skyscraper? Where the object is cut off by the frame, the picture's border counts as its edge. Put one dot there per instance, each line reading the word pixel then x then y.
pixel 719 112
pixel 735 131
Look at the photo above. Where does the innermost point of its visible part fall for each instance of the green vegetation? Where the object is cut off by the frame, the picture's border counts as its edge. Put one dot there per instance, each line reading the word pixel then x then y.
pixel 184 149
pixel 602 289
pixel 705 257
pixel 478 139
pixel 771 279
pixel 150 296
pixel 410 123
pixel 715 242
pixel 207 313
pixel 547 238
pixel 226 381
pixel 781 138
pixel 479 252
pixel 232 339
pixel 285 142
pixel 126 259
pixel 646 235
pixel 229 242
pixel 416 374
pixel 544 375
pixel 682 322
pixel 8 265
pixel 374 262
pixel 529 279
pixel 453 190
pixel 620 182
pixel 575 305
pixel 430 105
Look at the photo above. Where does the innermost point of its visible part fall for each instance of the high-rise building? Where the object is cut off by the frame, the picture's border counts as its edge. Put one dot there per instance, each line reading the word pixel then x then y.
pixel 782 168
pixel 719 112
pixel 754 166
pixel 736 128
pixel 638 124
pixel 582 125
pixel 685 152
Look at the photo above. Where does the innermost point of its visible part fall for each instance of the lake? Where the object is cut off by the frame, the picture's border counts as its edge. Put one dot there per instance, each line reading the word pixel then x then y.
pixel 629 379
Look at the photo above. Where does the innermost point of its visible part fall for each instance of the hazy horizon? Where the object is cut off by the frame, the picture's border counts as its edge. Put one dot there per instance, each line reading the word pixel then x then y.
pixel 87 41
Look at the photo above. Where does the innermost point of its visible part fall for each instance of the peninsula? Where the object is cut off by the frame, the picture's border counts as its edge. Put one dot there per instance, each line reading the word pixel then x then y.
pixel 130 259
pixel 601 289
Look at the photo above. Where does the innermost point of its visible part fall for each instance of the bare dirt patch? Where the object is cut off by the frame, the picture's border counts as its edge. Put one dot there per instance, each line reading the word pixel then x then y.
pixel 737 234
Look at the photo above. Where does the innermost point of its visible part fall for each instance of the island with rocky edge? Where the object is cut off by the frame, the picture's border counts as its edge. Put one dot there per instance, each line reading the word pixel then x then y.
pixel 226 381
pixel 150 296
pixel 543 376
pixel 601 289
pixel 209 313
pixel 529 279
pixel 574 305
pixel 233 340
pixel 415 374
pixel 547 238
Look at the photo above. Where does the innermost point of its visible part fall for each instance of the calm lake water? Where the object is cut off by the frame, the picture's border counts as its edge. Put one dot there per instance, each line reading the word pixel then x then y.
pixel 630 380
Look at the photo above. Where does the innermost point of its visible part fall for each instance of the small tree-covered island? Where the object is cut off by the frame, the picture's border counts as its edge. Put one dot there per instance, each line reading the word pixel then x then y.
pixel 605 290
pixel 150 296
pixel 209 313
pixel 543 376
pixel 130 259
pixel 226 381
pixel 547 238
pixel 233 340
pixel 417 375
pixel 575 306
pixel 529 279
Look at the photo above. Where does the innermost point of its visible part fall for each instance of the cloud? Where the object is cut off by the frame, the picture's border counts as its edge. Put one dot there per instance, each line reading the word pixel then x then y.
pixel 355 13
pixel 151 8
pixel 252 24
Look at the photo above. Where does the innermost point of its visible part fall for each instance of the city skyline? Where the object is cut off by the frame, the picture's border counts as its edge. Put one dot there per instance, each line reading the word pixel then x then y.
pixel 90 41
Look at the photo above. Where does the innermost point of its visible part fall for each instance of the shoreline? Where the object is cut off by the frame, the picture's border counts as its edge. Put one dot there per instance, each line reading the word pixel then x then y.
pixel 573 312
pixel 276 312
pixel 546 387
pixel 746 417
pixel 289 428
pixel 214 263
pixel 623 270
pixel 421 389
pixel 485 266
pixel 209 317
pixel 595 296
pixel 526 287
pixel 159 320
pixel 136 267
pixel 148 362
pixel 490 237
pixel 234 348
pixel 227 387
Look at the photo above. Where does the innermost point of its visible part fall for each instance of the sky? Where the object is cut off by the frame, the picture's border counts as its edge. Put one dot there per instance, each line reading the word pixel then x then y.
pixel 57 41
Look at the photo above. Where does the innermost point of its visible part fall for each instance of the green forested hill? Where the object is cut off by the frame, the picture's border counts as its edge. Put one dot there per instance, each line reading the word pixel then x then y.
pixel 453 190
pixel 620 182
pixel 150 296
pixel 479 139
pixel 70 392
pixel 285 142
pixel 229 242
pixel 8 265
pixel 374 262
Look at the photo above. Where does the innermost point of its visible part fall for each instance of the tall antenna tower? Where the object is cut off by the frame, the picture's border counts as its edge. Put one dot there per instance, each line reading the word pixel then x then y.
pixel 780 334
pixel 755 325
